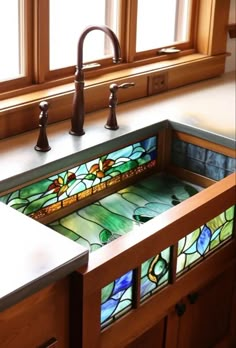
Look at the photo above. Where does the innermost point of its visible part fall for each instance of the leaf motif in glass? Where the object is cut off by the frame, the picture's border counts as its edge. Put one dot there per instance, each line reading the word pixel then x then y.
pixel 196 245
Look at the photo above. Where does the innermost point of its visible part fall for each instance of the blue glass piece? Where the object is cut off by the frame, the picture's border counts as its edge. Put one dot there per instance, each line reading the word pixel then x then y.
pixel 195 166
pixel 192 249
pixel 203 240
pixel 215 159
pixel 216 234
pixel 179 146
pixel 108 308
pixel 215 173
pixel 196 152
pixel 123 282
pixel 231 164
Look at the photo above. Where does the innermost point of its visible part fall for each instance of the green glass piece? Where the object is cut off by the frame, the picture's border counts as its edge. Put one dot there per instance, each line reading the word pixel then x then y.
pixel 229 214
pixel 107 292
pixel 35 189
pixel 191 238
pixel 65 231
pixel 227 230
pixel 39 203
pixel 18 203
pixel 105 235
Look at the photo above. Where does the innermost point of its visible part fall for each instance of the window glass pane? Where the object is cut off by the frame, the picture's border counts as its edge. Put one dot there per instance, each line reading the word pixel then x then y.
pixel 68 19
pixel 9 39
pixel 161 23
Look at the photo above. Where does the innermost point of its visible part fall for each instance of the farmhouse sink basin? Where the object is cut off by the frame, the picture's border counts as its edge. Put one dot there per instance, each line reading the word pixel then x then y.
pixel 108 197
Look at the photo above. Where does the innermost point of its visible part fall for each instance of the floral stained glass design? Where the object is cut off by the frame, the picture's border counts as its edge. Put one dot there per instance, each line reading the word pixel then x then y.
pixel 117 214
pixel 195 246
pixel 67 187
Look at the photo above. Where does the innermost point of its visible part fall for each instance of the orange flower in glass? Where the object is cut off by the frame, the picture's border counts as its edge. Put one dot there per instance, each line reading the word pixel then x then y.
pixel 61 185
pixel 99 169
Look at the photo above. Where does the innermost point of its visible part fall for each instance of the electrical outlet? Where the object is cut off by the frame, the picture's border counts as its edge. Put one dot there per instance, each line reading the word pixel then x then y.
pixel 157 83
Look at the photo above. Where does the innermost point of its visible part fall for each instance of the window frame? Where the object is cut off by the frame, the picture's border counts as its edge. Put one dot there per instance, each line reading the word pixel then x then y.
pixel 210 52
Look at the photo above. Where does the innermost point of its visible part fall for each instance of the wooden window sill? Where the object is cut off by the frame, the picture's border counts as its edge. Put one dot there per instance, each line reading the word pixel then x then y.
pixel 17 111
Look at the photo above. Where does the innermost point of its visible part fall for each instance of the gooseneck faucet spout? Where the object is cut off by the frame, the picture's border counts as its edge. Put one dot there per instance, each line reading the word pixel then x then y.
pixel 78 110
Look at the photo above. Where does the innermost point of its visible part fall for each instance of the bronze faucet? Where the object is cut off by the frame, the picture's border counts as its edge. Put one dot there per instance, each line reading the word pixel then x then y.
pixel 77 119
pixel 111 120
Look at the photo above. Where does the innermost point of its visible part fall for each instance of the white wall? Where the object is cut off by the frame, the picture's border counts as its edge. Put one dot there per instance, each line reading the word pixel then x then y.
pixel 231 43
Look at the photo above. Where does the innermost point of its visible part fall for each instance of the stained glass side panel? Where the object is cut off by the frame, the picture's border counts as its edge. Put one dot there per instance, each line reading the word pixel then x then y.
pixel 195 246
pixel 65 188
pixel 116 299
pixel 206 162
pixel 155 274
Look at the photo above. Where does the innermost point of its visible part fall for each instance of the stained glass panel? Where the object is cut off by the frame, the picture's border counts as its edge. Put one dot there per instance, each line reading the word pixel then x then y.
pixel 194 247
pixel 154 274
pixel 65 188
pixel 199 160
pixel 116 299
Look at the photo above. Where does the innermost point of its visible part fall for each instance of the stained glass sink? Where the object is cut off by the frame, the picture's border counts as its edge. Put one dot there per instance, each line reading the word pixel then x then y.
pixel 104 197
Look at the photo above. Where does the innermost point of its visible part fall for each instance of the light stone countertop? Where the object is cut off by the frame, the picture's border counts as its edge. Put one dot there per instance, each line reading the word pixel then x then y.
pixel 27 261
pixel 205 109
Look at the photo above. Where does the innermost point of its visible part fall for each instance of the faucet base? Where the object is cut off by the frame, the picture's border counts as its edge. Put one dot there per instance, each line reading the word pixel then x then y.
pixel 82 132
pixel 111 127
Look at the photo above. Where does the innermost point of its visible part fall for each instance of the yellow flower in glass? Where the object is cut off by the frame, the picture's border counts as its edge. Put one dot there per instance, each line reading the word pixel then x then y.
pixel 61 185
pixel 99 169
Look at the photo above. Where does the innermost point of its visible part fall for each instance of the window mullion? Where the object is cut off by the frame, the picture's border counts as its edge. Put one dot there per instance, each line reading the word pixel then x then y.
pixel 41 40
pixel 211 39
pixel 130 32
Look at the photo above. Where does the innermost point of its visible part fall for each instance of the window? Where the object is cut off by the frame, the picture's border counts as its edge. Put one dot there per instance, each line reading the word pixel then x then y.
pixel 39 49
pixel 10 41
pixel 69 21
pixel 58 24
pixel 167 23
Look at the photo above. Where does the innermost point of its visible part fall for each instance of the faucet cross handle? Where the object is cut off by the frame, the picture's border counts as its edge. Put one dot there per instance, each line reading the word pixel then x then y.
pixel 112 121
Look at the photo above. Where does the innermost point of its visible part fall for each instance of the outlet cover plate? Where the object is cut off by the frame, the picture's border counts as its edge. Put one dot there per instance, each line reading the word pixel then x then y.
pixel 157 83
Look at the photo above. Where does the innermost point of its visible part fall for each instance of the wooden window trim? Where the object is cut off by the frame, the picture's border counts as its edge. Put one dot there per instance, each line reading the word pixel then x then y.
pixel 21 105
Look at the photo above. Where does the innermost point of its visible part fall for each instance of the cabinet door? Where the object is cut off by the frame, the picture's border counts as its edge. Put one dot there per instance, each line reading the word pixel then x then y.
pixel 153 338
pixel 206 320
pixel 41 320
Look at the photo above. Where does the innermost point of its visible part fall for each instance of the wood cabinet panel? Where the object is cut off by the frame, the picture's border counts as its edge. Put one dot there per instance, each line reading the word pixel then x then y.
pixel 207 318
pixel 38 321
pixel 152 338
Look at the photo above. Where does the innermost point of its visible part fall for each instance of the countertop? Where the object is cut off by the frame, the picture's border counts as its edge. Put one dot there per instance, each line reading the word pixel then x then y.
pixel 32 255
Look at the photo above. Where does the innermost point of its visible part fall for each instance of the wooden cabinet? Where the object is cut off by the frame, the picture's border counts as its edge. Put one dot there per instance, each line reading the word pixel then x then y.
pixel 205 318
pixel 39 321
